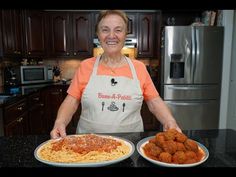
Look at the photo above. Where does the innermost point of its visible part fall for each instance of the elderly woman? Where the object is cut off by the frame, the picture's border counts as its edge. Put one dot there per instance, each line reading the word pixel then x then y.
pixel 111 87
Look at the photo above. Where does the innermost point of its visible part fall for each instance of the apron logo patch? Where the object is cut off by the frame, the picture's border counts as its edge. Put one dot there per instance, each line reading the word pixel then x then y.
pixel 113 107
pixel 113 82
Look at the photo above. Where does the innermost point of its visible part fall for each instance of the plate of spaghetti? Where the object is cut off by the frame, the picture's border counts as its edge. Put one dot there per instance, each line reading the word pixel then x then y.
pixel 84 150
pixel 172 149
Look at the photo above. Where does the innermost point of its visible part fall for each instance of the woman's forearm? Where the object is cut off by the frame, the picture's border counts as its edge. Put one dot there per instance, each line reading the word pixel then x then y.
pixel 163 114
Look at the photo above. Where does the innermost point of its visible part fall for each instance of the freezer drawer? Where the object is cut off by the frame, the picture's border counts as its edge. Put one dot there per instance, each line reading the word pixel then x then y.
pixel 195 115
pixel 191 92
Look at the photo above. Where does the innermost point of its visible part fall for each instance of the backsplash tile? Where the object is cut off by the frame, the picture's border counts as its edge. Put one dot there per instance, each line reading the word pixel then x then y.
pixel 67 66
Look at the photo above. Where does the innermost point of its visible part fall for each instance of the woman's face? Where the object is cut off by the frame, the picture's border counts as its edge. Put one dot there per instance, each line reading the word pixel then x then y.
pixel 112 34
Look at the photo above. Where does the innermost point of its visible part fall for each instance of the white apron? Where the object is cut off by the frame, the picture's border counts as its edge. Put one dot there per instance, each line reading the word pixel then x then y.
pixel 111 104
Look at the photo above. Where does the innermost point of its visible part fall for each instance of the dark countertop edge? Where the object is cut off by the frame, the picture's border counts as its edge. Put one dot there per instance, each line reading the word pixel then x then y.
pixel 119 171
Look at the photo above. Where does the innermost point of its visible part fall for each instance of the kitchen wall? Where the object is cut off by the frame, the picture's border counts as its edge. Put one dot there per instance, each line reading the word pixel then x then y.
pixel 228 88
pixel 231 118
pixel 67 66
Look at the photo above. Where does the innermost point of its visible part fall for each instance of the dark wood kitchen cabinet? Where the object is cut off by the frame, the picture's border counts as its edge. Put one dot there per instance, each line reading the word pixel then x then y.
pixel 12 32
pixel 149 120
pixel 82 34
pixel 148 34
pixel 35 32
pixel 16 118
pixel 59 32
pixel 52 97
pixel 132 25
pixel 71 34
pixel 37 120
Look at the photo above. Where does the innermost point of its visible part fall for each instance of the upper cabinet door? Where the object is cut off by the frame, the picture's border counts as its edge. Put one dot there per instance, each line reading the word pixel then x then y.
pixel 35 33
pixel 82 34
pixel 146 29
pixel 12 32
pixel 59 34
pixel 70 34
pixel 132 25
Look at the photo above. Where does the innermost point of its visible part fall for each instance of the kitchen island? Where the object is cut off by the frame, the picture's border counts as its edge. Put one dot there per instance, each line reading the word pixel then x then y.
pixel 18 151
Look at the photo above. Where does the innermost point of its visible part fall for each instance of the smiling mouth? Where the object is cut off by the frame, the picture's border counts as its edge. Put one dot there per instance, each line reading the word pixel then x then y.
pixel 111 43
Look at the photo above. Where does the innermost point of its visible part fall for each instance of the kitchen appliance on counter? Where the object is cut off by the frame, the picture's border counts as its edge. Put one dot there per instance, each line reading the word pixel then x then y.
pixel 10 76
pixel 29 74
pixel 191 74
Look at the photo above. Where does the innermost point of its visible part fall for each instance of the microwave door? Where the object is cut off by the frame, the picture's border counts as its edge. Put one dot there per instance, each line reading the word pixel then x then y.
pixel 177 55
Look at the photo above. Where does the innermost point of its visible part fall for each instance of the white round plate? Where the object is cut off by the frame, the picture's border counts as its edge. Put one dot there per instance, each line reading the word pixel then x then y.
pixel 144 141
pixel 90 164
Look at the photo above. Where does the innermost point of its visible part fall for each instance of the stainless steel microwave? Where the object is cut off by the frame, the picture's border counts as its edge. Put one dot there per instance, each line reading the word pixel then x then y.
pixel 35 74
pixel 29 74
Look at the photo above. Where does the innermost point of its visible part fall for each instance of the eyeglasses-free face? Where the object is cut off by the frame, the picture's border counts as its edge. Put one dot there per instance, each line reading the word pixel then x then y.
pixel 112 33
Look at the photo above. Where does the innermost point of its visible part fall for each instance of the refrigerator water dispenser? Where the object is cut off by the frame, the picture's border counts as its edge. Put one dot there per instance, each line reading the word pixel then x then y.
pixel 176 66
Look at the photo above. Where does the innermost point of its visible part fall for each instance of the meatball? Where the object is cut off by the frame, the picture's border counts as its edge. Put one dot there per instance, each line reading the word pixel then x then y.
pixel 160 139
pixel 179 157
pixel 165 157
pixel 170 134
pixel 148 146
pixel 180 137
pixel 191 155
pixel 191 145
pixel 152 150
pixel 180 146
pixel 153 140
pixel 170 146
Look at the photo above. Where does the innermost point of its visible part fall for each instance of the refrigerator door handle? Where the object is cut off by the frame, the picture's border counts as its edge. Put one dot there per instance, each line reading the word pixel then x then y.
pixel 176 87
pixel 186 88
pixel 197 51
pixel 193 54
pixel 195 103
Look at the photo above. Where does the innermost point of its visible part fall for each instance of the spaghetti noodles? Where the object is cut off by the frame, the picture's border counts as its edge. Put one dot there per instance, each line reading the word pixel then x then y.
pixel 83 149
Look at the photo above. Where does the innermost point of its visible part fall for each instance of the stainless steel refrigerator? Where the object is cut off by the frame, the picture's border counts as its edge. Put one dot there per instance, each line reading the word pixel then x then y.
pixel 191 74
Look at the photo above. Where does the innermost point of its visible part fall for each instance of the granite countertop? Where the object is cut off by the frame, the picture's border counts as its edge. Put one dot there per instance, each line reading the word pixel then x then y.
pixel 18 151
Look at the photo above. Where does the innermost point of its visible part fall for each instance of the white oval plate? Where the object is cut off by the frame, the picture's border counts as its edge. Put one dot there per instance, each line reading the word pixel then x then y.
pixel 144 141
pixel 91 164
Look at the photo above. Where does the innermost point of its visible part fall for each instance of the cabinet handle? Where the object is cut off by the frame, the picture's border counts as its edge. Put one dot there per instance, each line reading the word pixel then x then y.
pixel 20 119
pixel 60 90
pixel 19 108
pixel 75 53
pixel 67 53
pixel 36 99
pixel 42 104
pixel 29 53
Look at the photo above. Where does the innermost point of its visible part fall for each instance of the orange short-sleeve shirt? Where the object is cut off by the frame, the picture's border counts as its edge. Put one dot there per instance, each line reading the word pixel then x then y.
pixel 83 73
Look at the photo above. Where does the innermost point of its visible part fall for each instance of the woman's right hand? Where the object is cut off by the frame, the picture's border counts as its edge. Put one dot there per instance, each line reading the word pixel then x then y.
pixel 59 130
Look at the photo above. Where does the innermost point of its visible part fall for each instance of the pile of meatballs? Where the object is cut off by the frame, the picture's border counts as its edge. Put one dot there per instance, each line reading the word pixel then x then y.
pixel 173 147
